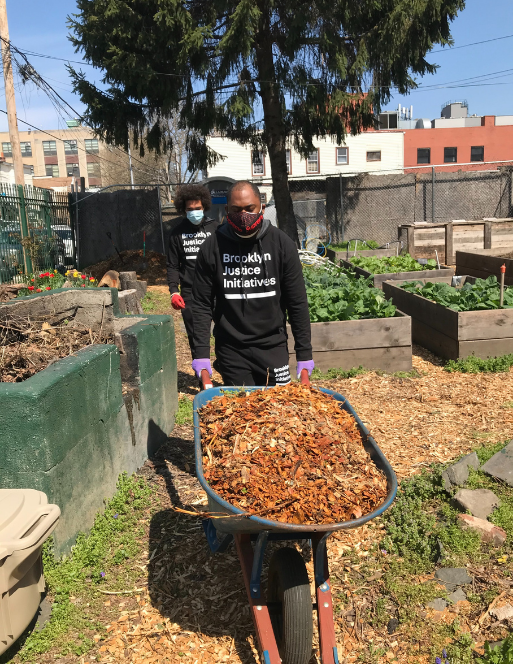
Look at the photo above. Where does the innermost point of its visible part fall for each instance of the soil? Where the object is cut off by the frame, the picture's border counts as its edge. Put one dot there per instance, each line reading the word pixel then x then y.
pixel 133 261
pixel 29 346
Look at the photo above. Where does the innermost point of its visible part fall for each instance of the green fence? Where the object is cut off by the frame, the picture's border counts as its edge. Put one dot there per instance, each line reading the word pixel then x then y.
pixel 36 233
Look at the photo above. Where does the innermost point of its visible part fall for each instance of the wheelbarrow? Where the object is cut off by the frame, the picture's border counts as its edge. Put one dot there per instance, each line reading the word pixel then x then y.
pixel 284 619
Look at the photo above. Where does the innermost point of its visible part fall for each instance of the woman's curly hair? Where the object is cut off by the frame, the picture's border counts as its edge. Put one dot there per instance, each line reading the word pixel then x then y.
pixel 192 192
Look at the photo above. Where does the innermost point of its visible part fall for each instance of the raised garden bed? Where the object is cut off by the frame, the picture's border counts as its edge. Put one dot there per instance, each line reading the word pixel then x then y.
pixel 353 324
pixel 485 262
pixel 377 343
pixel 73 427
pixel 453 334
pixel 379 279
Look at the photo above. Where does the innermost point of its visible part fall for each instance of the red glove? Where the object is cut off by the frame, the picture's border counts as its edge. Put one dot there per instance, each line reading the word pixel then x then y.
pixel 177 301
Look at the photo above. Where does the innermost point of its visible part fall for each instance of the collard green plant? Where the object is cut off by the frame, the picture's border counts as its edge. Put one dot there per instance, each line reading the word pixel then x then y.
pixel 391 264
pixel 359 245
pixel 482 295
pixel 335 295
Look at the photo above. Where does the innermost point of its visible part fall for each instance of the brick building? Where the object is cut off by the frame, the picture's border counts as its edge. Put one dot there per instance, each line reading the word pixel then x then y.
pixel 59 156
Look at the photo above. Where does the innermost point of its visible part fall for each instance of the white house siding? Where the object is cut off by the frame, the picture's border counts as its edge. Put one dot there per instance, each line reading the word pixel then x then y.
pixel 237 163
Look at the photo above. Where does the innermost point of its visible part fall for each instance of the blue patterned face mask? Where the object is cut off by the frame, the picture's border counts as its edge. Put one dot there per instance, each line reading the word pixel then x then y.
pixel 195 216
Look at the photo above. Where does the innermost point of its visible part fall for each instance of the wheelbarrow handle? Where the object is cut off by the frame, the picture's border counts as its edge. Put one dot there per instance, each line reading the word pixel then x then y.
pixel 305 379
pixel 206 381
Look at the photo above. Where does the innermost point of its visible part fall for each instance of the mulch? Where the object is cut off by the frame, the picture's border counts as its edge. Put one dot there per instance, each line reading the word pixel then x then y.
pixel 151 268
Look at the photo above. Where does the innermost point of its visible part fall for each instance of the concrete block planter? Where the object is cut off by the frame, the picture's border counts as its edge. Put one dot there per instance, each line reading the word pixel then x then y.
pixel 73 428
pixel 378 343
pixel 345 255
pixel 378 279
pixel 452 334
pixel 484 263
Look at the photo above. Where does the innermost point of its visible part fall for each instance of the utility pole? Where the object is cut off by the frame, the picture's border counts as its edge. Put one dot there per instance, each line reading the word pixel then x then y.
pixel 9 96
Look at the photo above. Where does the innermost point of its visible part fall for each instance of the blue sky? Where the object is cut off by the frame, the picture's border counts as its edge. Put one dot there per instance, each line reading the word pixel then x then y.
pixel 41 27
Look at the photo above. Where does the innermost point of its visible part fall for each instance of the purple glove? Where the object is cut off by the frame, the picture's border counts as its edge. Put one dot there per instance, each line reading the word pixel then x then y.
pixel 199 365
pixel 308 365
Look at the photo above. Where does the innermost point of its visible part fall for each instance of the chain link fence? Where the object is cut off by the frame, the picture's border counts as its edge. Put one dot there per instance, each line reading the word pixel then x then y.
pixel 35 232
pixel 372 206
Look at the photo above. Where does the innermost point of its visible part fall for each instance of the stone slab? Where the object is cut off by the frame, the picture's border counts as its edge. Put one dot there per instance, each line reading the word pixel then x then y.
pixel 500 465
pixel 437 604
pixel 453 577
pixel 457 596
pixel 479 502
pixel 457 474
pixel 488 531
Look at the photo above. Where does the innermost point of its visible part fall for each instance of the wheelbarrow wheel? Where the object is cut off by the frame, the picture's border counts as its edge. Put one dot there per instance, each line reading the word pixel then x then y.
pixel 290 606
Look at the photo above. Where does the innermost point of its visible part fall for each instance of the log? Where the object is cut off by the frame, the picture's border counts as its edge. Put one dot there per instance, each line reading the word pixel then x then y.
pixel 129 302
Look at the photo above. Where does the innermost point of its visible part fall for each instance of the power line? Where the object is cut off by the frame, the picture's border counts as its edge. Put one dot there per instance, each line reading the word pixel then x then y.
pixel 485 41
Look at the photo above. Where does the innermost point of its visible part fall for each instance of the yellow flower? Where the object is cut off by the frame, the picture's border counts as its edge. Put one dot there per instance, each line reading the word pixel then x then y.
pixel 55 271
pixel 67 272
pixel 75 274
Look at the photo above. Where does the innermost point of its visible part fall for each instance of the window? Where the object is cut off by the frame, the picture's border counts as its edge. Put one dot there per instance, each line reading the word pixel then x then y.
pixel 49 148
pixel 72 170
pixel 52 170
pixel 289 164
pixel 6 149
pixel 450 155
pixel 91 145
pixel 374 155
pixel 257 163
pixel 70 147
pixel 26 149
pixel 477 153
pixel 312 163
pixel 263 199
pixel 93 169
pixel 342 156
pixel 423 155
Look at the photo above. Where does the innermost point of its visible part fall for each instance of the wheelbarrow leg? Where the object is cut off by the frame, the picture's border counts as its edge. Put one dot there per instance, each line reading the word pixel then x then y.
pixel 327 642
pixel 259 610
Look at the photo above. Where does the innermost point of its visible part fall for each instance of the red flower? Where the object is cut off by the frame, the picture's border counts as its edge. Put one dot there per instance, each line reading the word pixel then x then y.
pixel 41 276
pixel 51 276
pixel 84 277
pixel 48 288
pixel 31 287
pixel 32 279
pixel 83 286
pixel 38 290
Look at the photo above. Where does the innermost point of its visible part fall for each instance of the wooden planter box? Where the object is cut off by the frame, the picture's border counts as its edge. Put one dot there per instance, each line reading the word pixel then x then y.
pixel 378 279
pixel 345 255
pixel 377 343
pixel 452 334
pixel 483 263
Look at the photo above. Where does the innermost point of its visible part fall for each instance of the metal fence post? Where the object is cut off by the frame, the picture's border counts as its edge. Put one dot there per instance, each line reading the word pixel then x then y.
pixel 46 212
pixel 24 229
pixel 341 182
pixel 433 218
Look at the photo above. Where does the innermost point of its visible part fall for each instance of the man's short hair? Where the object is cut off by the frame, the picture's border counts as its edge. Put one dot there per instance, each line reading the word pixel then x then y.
pixel 192 192
pixel 242 184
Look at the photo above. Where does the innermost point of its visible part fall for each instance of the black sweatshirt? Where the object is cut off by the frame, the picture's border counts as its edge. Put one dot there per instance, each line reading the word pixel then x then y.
pixel 254 282
pixel 182 252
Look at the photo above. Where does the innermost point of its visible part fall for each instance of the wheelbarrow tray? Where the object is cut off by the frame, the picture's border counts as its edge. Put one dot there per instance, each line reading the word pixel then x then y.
pixel 254 524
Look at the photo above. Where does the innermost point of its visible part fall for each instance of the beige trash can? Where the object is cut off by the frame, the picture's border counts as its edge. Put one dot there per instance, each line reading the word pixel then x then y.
pixel 26 521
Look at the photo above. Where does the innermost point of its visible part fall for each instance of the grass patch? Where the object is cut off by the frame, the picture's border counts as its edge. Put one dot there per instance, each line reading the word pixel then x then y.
pixel 156 303
pixel 473 365
pixel 333 374
pixel 184 413
pixel 96 561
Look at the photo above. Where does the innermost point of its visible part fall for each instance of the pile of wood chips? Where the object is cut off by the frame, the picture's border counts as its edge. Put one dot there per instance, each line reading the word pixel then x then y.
pixel 290 454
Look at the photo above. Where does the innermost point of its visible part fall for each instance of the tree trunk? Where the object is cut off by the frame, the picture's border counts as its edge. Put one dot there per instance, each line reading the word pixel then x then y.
pixel 275 136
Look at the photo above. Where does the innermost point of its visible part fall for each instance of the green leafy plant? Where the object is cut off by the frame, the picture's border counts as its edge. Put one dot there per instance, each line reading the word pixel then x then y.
pixel 473 365
pixel 391 264
pixel 184 413
pixel 334 295
pixel 502 654
pixel 484 294
pixel 352 245
pixel 333 374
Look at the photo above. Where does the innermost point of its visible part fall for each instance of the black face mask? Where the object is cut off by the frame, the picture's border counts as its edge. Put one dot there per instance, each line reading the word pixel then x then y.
pixel 245 223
